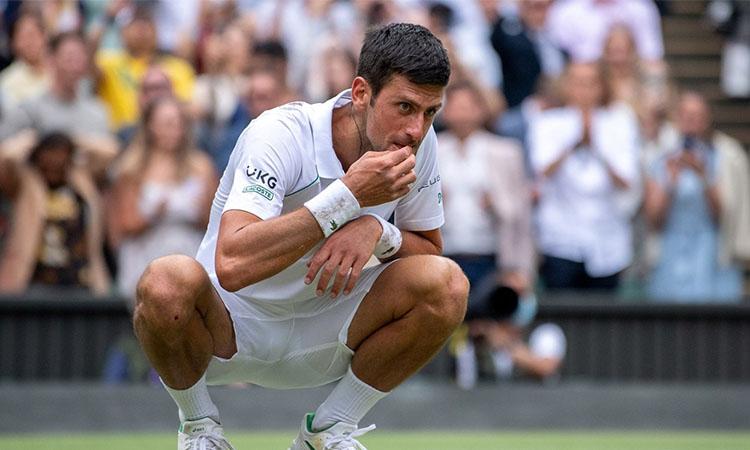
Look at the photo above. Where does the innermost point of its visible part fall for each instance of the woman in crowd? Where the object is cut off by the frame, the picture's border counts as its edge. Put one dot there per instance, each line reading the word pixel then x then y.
pixel 698 204
pixel 585 155
pixel 163 192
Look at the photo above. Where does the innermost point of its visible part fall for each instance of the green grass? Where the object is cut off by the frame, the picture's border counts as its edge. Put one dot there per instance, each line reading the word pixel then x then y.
pixel 378 440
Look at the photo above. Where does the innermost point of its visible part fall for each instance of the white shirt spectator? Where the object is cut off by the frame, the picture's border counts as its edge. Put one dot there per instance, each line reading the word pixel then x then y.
pixel 469 227
pixel 175 21
pixel 581 26
pixel 581 216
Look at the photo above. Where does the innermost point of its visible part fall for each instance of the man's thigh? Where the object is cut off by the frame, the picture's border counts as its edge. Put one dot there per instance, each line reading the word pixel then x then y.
pixel 395 293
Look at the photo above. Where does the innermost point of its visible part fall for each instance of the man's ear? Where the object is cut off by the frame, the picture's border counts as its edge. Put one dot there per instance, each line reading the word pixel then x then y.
pixel 361 93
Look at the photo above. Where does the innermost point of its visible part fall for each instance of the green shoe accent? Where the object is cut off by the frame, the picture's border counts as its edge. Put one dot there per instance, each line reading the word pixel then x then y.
pixel 309 446
pixel 309 424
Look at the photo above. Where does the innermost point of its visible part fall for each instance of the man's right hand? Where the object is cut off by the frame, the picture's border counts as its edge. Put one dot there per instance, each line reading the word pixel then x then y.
pixel 381 177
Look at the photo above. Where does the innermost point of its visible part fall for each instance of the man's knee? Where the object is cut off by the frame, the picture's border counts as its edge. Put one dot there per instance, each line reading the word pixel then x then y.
pixel 444 289
pixel 166 293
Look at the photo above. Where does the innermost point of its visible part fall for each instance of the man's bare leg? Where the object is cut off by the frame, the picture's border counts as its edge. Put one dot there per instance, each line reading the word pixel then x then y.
pixel 181 322
pixel 411 310
pixel 409 313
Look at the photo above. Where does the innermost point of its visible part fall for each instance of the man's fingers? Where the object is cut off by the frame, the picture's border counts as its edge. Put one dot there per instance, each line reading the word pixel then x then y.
pixel 341 275
pixel 397 156
pixel 405 180
pixel 325 277
pixel 317 261
pixel 406 165
pixel 354 275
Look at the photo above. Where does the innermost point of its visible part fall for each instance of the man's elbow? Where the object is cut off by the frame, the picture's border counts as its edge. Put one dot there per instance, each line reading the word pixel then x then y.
pixel 228 274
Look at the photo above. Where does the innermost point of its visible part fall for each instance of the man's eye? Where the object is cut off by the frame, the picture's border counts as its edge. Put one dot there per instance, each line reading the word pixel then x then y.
pixel 404 107
pixel 431 112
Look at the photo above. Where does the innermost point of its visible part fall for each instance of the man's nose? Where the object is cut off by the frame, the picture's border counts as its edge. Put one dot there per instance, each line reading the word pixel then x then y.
pixel 415 127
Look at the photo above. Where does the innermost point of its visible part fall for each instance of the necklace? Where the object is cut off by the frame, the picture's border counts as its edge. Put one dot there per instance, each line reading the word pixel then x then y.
pixel 359 132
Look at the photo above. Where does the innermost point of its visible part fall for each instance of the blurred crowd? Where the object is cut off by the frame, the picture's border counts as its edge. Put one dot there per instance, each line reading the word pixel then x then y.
pixel 569 159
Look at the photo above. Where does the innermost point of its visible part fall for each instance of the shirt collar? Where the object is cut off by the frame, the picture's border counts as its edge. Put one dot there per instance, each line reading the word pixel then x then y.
pixel 326 160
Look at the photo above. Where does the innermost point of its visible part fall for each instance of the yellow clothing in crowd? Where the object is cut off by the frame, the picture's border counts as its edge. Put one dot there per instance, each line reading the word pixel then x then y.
pixel 120 78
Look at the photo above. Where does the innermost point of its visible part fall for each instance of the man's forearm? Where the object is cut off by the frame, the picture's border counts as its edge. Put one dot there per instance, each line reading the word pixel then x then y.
pixel 414 243
pixel 248 253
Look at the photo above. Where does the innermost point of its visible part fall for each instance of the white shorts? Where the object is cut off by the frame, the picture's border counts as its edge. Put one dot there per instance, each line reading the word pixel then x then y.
pixel 295 350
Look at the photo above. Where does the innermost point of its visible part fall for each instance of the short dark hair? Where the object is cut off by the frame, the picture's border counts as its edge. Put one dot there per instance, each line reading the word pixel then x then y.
pixel 271 48
pixel 403 49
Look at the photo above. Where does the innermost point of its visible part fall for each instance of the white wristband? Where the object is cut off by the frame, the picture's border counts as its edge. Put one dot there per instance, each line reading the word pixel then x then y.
pixel 333 207
pixel 390 240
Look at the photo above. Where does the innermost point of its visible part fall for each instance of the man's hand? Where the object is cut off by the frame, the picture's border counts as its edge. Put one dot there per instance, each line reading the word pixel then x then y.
pixel 381 177
pixel 344 254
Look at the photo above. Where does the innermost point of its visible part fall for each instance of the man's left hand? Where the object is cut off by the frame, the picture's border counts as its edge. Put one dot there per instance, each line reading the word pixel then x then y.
pixel 344 254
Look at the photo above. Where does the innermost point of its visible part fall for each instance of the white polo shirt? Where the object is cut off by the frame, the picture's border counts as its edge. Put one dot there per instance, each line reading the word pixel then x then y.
pixel 284 158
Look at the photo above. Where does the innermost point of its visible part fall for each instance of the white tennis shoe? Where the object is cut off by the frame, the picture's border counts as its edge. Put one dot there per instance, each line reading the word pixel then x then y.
pixel 340 436
pixel 202 434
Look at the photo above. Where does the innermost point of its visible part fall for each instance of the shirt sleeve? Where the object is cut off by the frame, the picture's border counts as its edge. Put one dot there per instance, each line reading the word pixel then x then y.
pixel 265 169
pixel 422 208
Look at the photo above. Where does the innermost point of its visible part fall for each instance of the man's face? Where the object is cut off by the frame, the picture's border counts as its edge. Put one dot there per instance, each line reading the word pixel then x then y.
pixel 264 93
pixel 154 84
pixel 401 114
pixel 71 61
pixel 139 36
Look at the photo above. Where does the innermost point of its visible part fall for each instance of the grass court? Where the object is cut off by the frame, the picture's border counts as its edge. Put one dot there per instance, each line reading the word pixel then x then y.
pixel 386 440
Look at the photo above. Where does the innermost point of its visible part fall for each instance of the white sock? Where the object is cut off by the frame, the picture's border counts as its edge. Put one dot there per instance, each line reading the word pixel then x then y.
pixel 194 402
pixel 350 400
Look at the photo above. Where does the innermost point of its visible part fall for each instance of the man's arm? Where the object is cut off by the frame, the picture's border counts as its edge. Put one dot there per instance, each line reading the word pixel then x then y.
pixel 428 242
pixel 250 249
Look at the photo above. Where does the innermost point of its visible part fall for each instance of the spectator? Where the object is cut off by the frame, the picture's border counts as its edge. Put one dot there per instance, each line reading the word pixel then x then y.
pixel 586 157
pixel 333 72
pixel 163 192
pixel 21 212
pixel 698 203
pixel 154 84
pixel 64 107
pixel 120 70
pixel 271 56
pixel 297 25
pixel 217 91
pixel 732 19
pixel 525 50
pixel 466 24
pixel 487 229
pixel 514 123
pixel 632 82
pixel 580 27
pixel 70 243
pixel 176 25
pixel 27 77
pixel 262 92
